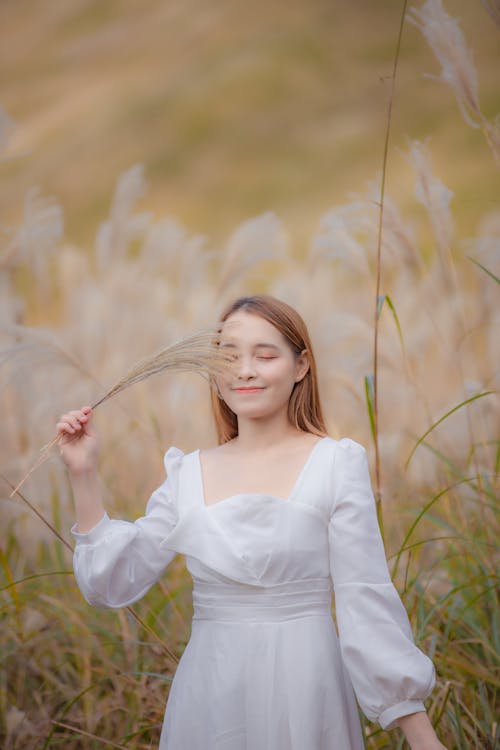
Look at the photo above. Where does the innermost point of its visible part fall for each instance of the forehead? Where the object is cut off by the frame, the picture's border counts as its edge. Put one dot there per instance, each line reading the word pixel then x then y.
pixel 244 327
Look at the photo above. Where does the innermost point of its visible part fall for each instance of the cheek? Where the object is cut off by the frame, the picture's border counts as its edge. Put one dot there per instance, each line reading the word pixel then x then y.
pixel 280 374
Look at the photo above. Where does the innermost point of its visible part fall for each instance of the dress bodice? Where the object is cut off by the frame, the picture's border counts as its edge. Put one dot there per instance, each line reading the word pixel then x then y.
pixel 256 532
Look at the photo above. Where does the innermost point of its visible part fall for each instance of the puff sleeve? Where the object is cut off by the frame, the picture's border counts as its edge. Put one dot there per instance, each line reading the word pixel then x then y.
pixel 390 675
pixel 116 562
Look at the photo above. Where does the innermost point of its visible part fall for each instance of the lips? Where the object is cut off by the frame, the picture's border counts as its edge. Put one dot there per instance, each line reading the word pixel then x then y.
pixel 248 390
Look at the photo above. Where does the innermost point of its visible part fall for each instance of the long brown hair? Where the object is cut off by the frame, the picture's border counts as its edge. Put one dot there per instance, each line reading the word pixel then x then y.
pixel 304 407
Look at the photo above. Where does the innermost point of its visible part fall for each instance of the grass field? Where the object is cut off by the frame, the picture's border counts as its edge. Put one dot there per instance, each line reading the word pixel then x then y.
pixel 184 155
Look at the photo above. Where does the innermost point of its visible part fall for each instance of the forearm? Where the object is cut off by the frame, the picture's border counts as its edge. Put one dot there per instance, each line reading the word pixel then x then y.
pixel 419 731
pixel 87 493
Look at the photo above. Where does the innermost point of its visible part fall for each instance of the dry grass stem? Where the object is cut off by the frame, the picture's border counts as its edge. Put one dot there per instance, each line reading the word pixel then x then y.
pixel 91 736
pixel 376 317
pixel 37 512
pixel 198 353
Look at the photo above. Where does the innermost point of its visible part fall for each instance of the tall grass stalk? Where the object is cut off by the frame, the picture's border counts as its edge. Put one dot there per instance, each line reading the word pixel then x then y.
pixel 373 393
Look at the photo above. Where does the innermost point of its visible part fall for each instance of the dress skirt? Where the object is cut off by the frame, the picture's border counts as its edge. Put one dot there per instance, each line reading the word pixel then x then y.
pixel 262 669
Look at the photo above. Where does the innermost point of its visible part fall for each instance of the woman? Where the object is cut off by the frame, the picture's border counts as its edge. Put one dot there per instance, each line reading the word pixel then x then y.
pixel 271 520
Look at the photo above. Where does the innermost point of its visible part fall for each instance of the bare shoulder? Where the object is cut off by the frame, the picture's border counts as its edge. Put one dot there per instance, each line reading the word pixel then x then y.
pixel 313 438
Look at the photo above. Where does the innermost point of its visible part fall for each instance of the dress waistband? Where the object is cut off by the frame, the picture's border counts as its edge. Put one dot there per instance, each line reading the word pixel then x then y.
pixel 235 602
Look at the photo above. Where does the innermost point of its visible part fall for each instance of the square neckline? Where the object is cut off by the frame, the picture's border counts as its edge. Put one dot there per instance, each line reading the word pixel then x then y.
pixel 298 481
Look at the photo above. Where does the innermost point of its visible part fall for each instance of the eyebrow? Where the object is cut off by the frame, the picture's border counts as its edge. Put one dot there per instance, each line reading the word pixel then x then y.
pixel 262 345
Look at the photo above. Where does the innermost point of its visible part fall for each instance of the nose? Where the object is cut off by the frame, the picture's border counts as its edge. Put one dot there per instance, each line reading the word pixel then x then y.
pixel 244 368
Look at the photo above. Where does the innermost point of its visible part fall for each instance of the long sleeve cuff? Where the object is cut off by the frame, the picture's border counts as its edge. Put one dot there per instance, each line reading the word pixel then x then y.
pixel 95 534
pixel 387 718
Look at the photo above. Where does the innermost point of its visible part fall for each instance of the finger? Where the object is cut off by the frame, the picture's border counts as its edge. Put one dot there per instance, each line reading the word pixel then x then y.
pixel 73 420
pixel 64 427
pixel 67 417
pixel 70 424
pixel 78 415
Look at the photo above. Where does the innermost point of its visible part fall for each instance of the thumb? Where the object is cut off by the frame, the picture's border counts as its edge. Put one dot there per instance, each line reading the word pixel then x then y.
pixel 88 426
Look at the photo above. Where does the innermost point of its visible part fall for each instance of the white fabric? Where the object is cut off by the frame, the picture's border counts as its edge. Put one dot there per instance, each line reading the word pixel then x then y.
pixel 265 668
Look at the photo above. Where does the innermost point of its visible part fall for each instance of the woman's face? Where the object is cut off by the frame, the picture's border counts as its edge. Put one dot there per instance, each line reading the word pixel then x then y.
pixel 264 368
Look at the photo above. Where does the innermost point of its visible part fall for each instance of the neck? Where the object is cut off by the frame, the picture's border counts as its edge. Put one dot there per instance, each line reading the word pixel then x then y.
pixel 261 434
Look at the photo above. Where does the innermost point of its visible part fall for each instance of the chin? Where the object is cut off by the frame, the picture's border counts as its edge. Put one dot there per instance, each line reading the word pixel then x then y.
pixel 256 412
pixel 238 409
pixel 247 411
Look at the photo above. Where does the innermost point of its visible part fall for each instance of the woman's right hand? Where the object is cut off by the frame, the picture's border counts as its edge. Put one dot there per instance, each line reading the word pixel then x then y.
pixel 78 442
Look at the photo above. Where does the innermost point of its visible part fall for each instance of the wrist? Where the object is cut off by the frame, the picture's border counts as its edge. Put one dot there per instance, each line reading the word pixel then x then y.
pixel 83 474
pixel 417 729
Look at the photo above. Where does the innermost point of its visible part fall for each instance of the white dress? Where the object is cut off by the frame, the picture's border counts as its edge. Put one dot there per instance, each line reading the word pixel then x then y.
pixel 265 668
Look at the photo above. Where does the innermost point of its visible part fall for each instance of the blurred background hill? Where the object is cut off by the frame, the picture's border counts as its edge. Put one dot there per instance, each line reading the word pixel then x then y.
pixel 233 107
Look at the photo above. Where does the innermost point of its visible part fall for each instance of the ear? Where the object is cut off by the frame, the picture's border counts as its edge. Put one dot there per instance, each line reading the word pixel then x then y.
pixel 301 365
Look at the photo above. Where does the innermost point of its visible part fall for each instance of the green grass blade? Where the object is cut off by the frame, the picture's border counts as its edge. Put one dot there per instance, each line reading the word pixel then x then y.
pixel 486 270
pixel 445 416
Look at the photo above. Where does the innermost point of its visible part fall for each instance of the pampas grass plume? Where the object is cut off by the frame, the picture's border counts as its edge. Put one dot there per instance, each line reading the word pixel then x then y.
pixel 445 38
pixel 198 353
